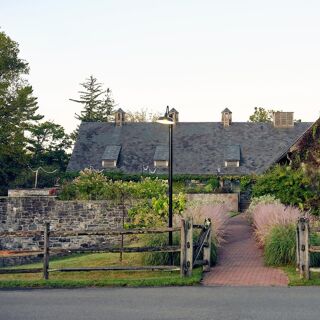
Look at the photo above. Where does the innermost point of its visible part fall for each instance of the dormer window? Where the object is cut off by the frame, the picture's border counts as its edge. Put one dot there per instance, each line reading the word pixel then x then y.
pixel 110 156
pixel 161 157
pixel 232 156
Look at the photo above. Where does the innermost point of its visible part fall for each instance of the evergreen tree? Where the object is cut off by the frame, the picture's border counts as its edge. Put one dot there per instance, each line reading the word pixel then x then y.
pixel 98 104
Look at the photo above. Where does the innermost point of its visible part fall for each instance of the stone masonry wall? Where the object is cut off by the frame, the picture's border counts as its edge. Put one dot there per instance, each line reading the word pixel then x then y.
pixel 30 213
pixel 231 200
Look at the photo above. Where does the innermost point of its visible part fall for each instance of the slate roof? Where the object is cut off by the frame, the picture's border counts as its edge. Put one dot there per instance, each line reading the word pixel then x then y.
pixel 111 153
pixel 232 153
pixel 226 110
pixel 198 148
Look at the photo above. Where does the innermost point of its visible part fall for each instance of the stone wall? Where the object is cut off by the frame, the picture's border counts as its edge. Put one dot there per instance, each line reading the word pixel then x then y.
pixel 231 200
pixel 30 213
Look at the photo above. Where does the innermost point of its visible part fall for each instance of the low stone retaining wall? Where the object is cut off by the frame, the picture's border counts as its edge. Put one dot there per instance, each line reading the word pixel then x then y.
pixel 30 213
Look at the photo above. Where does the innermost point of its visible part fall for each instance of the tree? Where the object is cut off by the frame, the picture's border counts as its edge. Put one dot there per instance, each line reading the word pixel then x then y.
pixel 98 104
pixel 18 110
pixel 261 115
pixel 142 115
pixel 96 108
pixel 48 145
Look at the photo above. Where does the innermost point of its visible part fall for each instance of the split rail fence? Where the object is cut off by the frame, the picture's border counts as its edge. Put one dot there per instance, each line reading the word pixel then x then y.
pixel 191 254
pixel 304 248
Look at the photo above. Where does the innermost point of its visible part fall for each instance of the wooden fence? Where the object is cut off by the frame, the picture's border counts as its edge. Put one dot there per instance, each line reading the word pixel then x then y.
pixel 303 247
pixel 190 253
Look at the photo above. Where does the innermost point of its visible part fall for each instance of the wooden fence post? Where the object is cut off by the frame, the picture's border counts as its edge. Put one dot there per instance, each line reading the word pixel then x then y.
pixel 207 251
pixel 307 254
pixel 183 243
pixel 297 247
pixel 303 226
pixel 46 250
pixel 189 247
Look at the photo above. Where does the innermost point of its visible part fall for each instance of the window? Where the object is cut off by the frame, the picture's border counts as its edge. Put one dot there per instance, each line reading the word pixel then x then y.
pixel 109 163
pixel 161 163
pixel 231 163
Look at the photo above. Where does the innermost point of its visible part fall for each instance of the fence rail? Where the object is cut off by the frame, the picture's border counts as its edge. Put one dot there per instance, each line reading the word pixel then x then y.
pixel 303 247
pixel 189 252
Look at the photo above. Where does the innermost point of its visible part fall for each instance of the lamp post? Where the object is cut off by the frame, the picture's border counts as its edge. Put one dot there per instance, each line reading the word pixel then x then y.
pixel 166 119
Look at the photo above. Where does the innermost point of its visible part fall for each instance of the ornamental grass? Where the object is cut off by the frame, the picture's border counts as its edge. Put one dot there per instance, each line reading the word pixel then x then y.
pixel 267 216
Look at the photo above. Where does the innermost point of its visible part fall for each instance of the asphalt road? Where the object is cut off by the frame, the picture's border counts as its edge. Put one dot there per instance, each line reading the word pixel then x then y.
pixel 221 303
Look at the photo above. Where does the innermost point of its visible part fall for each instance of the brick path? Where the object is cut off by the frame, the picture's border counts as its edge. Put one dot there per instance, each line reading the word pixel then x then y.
pixel 240 261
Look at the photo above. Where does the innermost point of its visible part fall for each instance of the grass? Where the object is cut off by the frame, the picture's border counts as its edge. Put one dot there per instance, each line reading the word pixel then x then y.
pixel 96 278
pixel 294 277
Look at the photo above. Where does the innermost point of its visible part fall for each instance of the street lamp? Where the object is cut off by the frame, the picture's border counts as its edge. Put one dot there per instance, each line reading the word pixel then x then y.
pixel 166 119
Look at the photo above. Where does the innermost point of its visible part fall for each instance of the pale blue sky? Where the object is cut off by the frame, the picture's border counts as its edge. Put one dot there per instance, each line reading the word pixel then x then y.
pixel 196 56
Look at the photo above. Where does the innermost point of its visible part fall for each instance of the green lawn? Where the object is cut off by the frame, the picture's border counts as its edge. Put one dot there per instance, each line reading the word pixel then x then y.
pixel 97 278
pixel 294 278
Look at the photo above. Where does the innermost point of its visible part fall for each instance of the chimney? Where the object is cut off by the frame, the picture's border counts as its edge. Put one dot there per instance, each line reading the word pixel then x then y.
pixel 174 114
pixel 226 117
pixel 283 119
pixel 119 117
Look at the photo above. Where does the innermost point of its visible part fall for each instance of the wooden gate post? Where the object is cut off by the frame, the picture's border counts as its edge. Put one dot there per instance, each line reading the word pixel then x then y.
pixel 189 247
pixel 207 250
pixel 297 247
pixel 183 244
pixel 303 226
pixel 46 250
pixel 307 254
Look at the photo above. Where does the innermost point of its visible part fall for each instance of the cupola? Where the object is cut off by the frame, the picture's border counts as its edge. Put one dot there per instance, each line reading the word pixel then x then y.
pixel 119 117
pixel 226 117
pixel 174 114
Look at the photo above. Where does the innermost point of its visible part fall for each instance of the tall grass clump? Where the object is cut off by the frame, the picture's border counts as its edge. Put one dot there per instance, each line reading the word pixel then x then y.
pixel 280 245
pixel 255 201
pixel 267 216
pixel 217 212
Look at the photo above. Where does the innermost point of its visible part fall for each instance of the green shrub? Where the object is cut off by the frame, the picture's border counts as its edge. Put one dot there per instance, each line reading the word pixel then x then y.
pixel 280 246
pixel 292 187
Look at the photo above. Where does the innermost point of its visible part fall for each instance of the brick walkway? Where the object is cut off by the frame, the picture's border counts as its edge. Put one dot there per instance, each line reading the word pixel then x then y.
pixel 240 261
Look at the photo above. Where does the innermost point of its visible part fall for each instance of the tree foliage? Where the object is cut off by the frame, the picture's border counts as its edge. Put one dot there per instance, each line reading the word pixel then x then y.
pixel 97 103
pixel 291 186
pixel 19 117
pixel 261 115
pixel 142 115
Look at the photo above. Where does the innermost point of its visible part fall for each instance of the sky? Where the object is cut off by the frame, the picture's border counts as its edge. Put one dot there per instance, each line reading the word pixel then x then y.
pixel 196 56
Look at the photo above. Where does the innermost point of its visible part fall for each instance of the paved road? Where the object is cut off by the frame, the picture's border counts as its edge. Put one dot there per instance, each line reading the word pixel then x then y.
pixel 256 303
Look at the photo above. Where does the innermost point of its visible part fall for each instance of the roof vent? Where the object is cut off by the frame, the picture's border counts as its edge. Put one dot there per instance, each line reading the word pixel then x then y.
pixel 283 119
pixel 226 117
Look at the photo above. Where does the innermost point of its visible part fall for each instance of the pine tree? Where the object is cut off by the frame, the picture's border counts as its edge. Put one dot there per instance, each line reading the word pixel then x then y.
pixel 98 104
pixel 95 106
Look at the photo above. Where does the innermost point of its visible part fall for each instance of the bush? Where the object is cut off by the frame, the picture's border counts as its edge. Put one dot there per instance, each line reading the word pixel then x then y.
pixel 292 187
pixel 280 245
